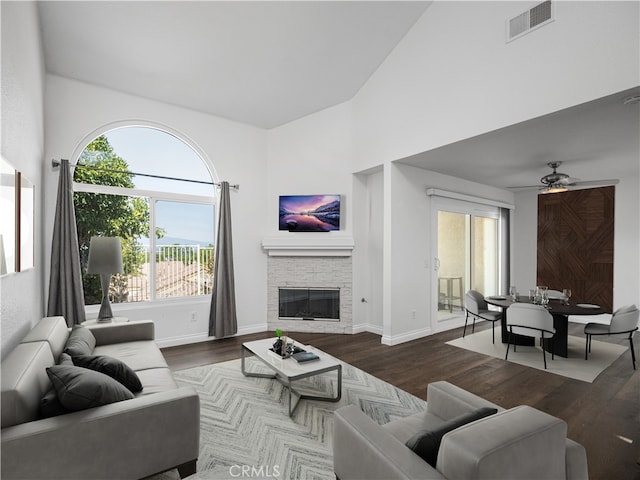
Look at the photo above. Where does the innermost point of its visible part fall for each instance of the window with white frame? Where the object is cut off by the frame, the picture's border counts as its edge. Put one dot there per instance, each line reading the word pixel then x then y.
pixel 164 217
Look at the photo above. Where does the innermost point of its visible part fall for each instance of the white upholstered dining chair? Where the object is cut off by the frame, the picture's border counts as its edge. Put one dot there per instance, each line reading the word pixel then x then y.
pixel 531 321
pixel 556 295
pixel 623 321
pixel 476 306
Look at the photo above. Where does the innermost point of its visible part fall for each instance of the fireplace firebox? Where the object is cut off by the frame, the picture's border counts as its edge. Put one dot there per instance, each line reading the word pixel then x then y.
pixel 309 303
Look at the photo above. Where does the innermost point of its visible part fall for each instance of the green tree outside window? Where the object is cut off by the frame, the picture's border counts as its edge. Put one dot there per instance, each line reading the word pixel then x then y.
pixel 109 215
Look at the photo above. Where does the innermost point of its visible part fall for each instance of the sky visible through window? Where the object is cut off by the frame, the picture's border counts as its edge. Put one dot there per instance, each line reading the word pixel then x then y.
pixel 183 223
pixel 152 151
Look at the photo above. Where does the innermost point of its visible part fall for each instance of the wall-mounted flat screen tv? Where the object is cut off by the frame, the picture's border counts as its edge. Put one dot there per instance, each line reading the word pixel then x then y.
pixel 309 213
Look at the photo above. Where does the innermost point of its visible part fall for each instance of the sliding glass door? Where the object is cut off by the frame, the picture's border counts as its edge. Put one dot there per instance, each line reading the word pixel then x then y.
pixel 484 255
pixel 453 259
pixel 467 248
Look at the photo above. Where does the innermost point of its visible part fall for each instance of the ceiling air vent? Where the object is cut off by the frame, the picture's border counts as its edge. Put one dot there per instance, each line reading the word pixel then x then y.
pixel 528 21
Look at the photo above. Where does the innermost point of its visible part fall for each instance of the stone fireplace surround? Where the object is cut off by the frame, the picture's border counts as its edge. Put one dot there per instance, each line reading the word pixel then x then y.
pixel 309 263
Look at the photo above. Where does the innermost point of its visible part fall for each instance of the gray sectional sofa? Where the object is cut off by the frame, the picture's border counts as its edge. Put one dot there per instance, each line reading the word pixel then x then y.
pixel 150 431
pixel 519 443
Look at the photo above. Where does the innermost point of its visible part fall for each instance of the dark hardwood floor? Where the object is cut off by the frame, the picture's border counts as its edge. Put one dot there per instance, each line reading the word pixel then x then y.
pixel 604 416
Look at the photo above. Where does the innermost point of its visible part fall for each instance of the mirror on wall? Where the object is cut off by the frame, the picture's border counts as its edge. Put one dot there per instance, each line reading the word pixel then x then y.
pixel 25 228
pixel 8 210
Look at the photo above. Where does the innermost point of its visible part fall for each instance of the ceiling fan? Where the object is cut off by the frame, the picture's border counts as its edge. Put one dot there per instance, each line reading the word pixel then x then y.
pixel 556 182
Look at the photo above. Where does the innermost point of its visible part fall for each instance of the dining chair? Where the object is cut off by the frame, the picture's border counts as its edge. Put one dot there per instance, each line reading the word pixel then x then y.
pixel 624 320
pixel 556 295
pixel 531 321
pixel 476 306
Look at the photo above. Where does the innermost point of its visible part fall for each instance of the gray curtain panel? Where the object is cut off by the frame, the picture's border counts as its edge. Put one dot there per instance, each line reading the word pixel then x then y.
pixel 66 295
pixel 222 317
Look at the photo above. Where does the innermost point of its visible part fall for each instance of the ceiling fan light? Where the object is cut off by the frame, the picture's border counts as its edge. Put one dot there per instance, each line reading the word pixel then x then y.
pixel 555 189
pixel 633 100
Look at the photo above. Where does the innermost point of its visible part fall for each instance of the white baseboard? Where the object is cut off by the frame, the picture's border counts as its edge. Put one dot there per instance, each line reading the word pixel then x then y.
pixel 182 340
pixel 406 337
pixel 203 337
pixel 255 328
pixel 262 327
pixel 367 327
pixel 449 323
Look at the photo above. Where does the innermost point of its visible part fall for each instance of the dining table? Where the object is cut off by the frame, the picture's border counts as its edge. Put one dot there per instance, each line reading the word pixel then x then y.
pixel 560 310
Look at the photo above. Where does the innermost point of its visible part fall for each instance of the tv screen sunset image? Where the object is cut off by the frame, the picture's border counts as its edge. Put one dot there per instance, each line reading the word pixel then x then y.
pixel 309 213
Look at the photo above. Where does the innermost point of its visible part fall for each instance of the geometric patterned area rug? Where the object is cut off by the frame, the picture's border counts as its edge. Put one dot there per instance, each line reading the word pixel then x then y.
pixel 575 366
pixel 245 429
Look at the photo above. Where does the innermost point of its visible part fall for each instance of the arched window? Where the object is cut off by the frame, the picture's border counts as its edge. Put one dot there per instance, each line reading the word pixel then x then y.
pixel 166 225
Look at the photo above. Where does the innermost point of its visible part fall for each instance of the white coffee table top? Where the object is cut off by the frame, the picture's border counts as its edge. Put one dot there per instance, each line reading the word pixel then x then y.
pixel 289 367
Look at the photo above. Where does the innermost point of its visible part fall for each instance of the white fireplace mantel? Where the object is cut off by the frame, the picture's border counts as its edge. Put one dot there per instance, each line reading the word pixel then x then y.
pixel 301 245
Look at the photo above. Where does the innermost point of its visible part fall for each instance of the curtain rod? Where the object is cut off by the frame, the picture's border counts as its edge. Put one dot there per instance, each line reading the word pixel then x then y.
pixel 56 163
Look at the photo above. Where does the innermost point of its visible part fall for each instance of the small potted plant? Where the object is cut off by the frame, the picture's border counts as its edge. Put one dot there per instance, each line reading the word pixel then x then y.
pixel 277 345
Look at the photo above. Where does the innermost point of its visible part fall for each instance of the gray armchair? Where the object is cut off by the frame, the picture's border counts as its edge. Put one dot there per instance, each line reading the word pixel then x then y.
pixel 521 442
pixel 623 321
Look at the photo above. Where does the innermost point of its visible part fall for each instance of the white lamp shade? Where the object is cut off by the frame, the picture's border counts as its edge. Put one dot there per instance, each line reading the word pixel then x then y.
pixel 105 255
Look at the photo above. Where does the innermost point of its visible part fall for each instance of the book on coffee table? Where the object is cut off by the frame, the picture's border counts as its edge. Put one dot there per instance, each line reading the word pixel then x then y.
pixel 305 356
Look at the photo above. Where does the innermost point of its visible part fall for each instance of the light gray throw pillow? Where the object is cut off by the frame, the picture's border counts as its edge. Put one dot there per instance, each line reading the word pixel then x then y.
pixel 80 342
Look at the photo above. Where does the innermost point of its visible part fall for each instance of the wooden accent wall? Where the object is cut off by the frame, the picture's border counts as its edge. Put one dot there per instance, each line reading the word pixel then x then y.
pixel 575 244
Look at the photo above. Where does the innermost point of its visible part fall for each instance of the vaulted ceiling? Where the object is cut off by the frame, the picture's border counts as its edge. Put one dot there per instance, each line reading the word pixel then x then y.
pixel 266 63
pixel 263 63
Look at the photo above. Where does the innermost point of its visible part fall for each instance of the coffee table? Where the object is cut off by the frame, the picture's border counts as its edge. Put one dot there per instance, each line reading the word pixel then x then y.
pixel 288 370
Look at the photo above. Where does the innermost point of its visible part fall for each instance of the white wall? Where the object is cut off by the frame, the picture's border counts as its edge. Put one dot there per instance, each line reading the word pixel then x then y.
pixel 311 156
pixel 368 255
pixel 21 294
pixel 626 246
pixel 453 76
pixel 450 79
pixel 524 243
pixel 75 112
pixel 447 80
pixel 409 255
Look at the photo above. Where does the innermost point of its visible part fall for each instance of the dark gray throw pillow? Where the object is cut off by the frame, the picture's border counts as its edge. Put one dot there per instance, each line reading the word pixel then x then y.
pixel 80 342
pixel 80 388
pixel 65 359
pixel 113 367
pixel 50 406
pixel 427 443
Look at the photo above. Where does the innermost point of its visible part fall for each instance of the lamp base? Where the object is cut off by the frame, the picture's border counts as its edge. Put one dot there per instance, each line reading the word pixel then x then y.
pixel 105 314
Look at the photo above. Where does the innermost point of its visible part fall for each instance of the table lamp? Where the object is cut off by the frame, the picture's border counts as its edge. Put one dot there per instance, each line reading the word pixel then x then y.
pixel 105 258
